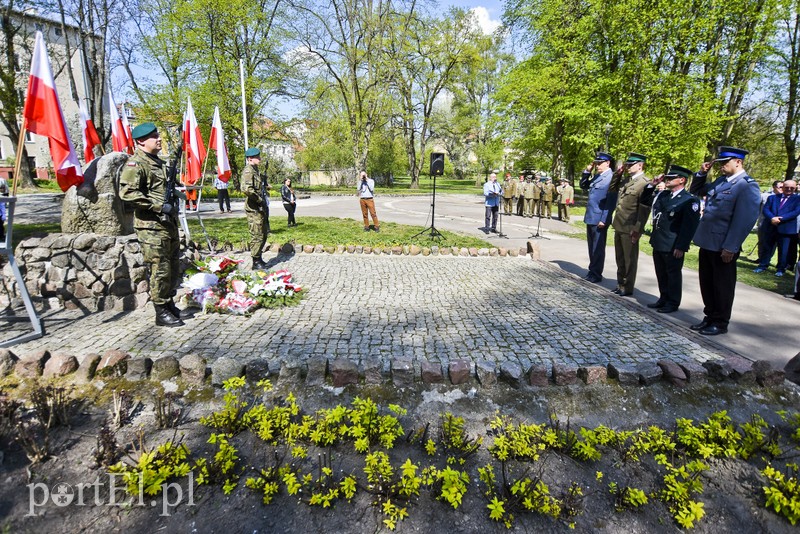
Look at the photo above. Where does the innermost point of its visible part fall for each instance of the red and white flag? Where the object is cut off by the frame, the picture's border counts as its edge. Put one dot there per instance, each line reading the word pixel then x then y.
pixel 128 132
pixel 89 135
pixel 43 116
pixel 192 146
pixel 119 139
pixel 217 142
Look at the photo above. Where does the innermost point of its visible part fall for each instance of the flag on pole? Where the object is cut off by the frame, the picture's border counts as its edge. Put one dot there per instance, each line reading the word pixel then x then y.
pixel 89 135
pixel 217 142
pixel 192 146
pixel 119 139
pixel 43 116
pixel 127 129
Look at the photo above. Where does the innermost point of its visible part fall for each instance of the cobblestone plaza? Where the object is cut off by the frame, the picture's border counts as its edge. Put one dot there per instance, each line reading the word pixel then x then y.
pixel 435 308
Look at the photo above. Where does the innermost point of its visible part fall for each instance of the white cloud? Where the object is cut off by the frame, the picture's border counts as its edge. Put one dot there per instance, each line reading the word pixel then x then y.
pixel 484 20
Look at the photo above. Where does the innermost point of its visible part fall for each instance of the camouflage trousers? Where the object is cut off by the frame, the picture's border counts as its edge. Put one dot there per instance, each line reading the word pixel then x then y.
pixel 258 225
pixel 161 251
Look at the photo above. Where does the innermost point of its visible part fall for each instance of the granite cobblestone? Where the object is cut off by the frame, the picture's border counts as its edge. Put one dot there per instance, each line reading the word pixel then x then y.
pixel 513 312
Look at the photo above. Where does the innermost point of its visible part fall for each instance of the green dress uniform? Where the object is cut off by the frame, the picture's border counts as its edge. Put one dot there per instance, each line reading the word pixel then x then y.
pixel 256 209
pixel 520 196
pixel 548 191
pixel 630 216
pixel 509 192
pixel 143 184
pixel 566 196
pixel 675 219
pixel 529 193
pixel 536 207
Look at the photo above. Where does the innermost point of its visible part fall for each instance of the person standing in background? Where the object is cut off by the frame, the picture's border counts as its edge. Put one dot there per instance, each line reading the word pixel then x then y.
pixel 366 195
pixel 289 201
pixel 223 197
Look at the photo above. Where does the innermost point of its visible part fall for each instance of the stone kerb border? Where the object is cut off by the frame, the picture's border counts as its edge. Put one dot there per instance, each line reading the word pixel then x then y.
pixel 339 372
pixel 95 272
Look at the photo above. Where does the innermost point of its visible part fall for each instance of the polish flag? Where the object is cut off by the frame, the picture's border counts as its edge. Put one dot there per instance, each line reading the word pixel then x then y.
pixel 127 129
pixel 217 142
pixel 43 116
pixel 192 146
pixel 119 139
pixel 89 134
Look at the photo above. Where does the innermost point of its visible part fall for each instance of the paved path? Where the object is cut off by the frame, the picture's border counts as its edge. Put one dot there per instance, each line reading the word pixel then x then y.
pixel 445 304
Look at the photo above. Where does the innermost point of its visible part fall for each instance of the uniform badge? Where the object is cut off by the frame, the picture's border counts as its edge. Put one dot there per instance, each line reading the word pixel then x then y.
pixel 695 206
pixel 131 164
pixel 672 214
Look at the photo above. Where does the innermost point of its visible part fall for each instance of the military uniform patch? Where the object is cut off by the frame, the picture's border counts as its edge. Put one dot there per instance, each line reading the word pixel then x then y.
pixel 695 206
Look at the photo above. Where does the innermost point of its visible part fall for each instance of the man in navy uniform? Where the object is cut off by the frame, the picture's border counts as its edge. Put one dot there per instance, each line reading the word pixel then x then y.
pixel 780 226
pixel 676 214
pixel 598 212
pixel 731 210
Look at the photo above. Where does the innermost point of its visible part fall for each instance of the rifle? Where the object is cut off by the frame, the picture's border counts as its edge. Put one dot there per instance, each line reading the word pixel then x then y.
pixel 265 198
pixel 170 198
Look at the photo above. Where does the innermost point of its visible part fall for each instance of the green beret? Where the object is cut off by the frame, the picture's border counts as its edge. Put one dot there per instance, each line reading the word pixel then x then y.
pixel 143 130
pixel 633 158
pixel 252 153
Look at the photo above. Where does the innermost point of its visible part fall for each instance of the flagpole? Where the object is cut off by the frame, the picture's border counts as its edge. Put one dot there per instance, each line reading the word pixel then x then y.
pixel 18 162
pixel 244 104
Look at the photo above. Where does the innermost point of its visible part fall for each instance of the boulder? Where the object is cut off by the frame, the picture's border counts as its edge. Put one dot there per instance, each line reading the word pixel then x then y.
pixel 486 372
pixel 165 368
pixel 60 365
pixel 565 375
pixel 539 375
pixel 317 367
pixel 95 207
pixel 7 362
pixel 343 372
pixel 225 368
pixel 193 369
pixel 511 373
pixel 460 371
pixel 113 363
pixel 32 365
pixel 431 372
pixel 592 374
pixel 86 369
pixel 138 368
pixel 402 372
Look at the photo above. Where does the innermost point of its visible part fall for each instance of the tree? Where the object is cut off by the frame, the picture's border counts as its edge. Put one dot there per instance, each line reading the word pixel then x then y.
pixel 426 53
pixel 344 44
pixel 786 87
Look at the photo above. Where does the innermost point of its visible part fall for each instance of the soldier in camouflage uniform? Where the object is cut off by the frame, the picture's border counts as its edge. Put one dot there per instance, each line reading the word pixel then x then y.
pixel 143 184
pixel 253 184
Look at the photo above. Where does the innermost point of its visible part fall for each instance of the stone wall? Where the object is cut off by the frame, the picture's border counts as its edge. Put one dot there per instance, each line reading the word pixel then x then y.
pixel 81 271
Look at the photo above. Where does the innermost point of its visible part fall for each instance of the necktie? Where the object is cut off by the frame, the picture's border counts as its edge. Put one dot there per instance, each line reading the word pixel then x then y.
pixel 783 201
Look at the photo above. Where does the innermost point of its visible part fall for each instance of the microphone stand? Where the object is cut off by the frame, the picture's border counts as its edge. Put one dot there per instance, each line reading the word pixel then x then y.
pixel 537 234
pixel 500 221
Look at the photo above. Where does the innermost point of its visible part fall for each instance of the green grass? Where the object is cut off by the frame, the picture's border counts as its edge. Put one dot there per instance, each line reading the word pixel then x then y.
pixel 330 231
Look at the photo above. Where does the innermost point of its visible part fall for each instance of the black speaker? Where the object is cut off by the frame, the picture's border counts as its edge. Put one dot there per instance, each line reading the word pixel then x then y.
pixel 437 164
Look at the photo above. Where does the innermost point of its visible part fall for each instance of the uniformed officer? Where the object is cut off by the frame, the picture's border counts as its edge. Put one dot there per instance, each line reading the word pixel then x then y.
pixel 537 195
pixel 676 214
pixel 520 198
pixel 509 192
pixel 528 194
pixel 143 184
pixel 566 197
pixel 598 212
pixel 731 209
pixel 548 192
pixel 630 217
pixel 256 189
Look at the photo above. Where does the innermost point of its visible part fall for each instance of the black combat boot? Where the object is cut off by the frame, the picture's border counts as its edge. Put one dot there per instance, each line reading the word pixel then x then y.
pixel 164 317
pixel 258 264
pixel 177 312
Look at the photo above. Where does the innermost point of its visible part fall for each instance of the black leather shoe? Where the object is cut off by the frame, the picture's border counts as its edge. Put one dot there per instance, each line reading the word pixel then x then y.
pixel 616 291
pixel 793 296
pixel 165 318
pixel 259 264
pixel 699 326
pixel 656 304
pixel 667 309
pixel 713 330
pixel 177 312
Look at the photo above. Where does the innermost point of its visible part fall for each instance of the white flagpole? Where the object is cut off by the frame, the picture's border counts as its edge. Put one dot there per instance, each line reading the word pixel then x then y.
pixel 244 104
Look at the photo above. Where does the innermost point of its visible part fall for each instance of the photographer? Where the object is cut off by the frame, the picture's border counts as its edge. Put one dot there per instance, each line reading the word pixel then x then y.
pixel 366 194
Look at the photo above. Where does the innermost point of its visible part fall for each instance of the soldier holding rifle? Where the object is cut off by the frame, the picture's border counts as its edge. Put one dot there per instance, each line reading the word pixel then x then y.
pixel 255 187
pixel 150 188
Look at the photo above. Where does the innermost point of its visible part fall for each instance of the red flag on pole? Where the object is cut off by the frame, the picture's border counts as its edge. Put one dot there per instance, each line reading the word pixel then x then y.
pixel 89 134
pixel 192 146
pixel 217 142
pixel 119 139
pixel 127 129
pixel 43 116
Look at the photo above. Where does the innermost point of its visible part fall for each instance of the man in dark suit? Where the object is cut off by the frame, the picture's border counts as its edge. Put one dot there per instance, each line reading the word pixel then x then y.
pixel 676 214
pixel 731 210
pixel 780 226
pixel 599 212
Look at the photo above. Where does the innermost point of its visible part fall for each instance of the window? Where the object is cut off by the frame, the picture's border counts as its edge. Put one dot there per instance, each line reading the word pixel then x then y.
pixel 39 26
pixel 58 32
